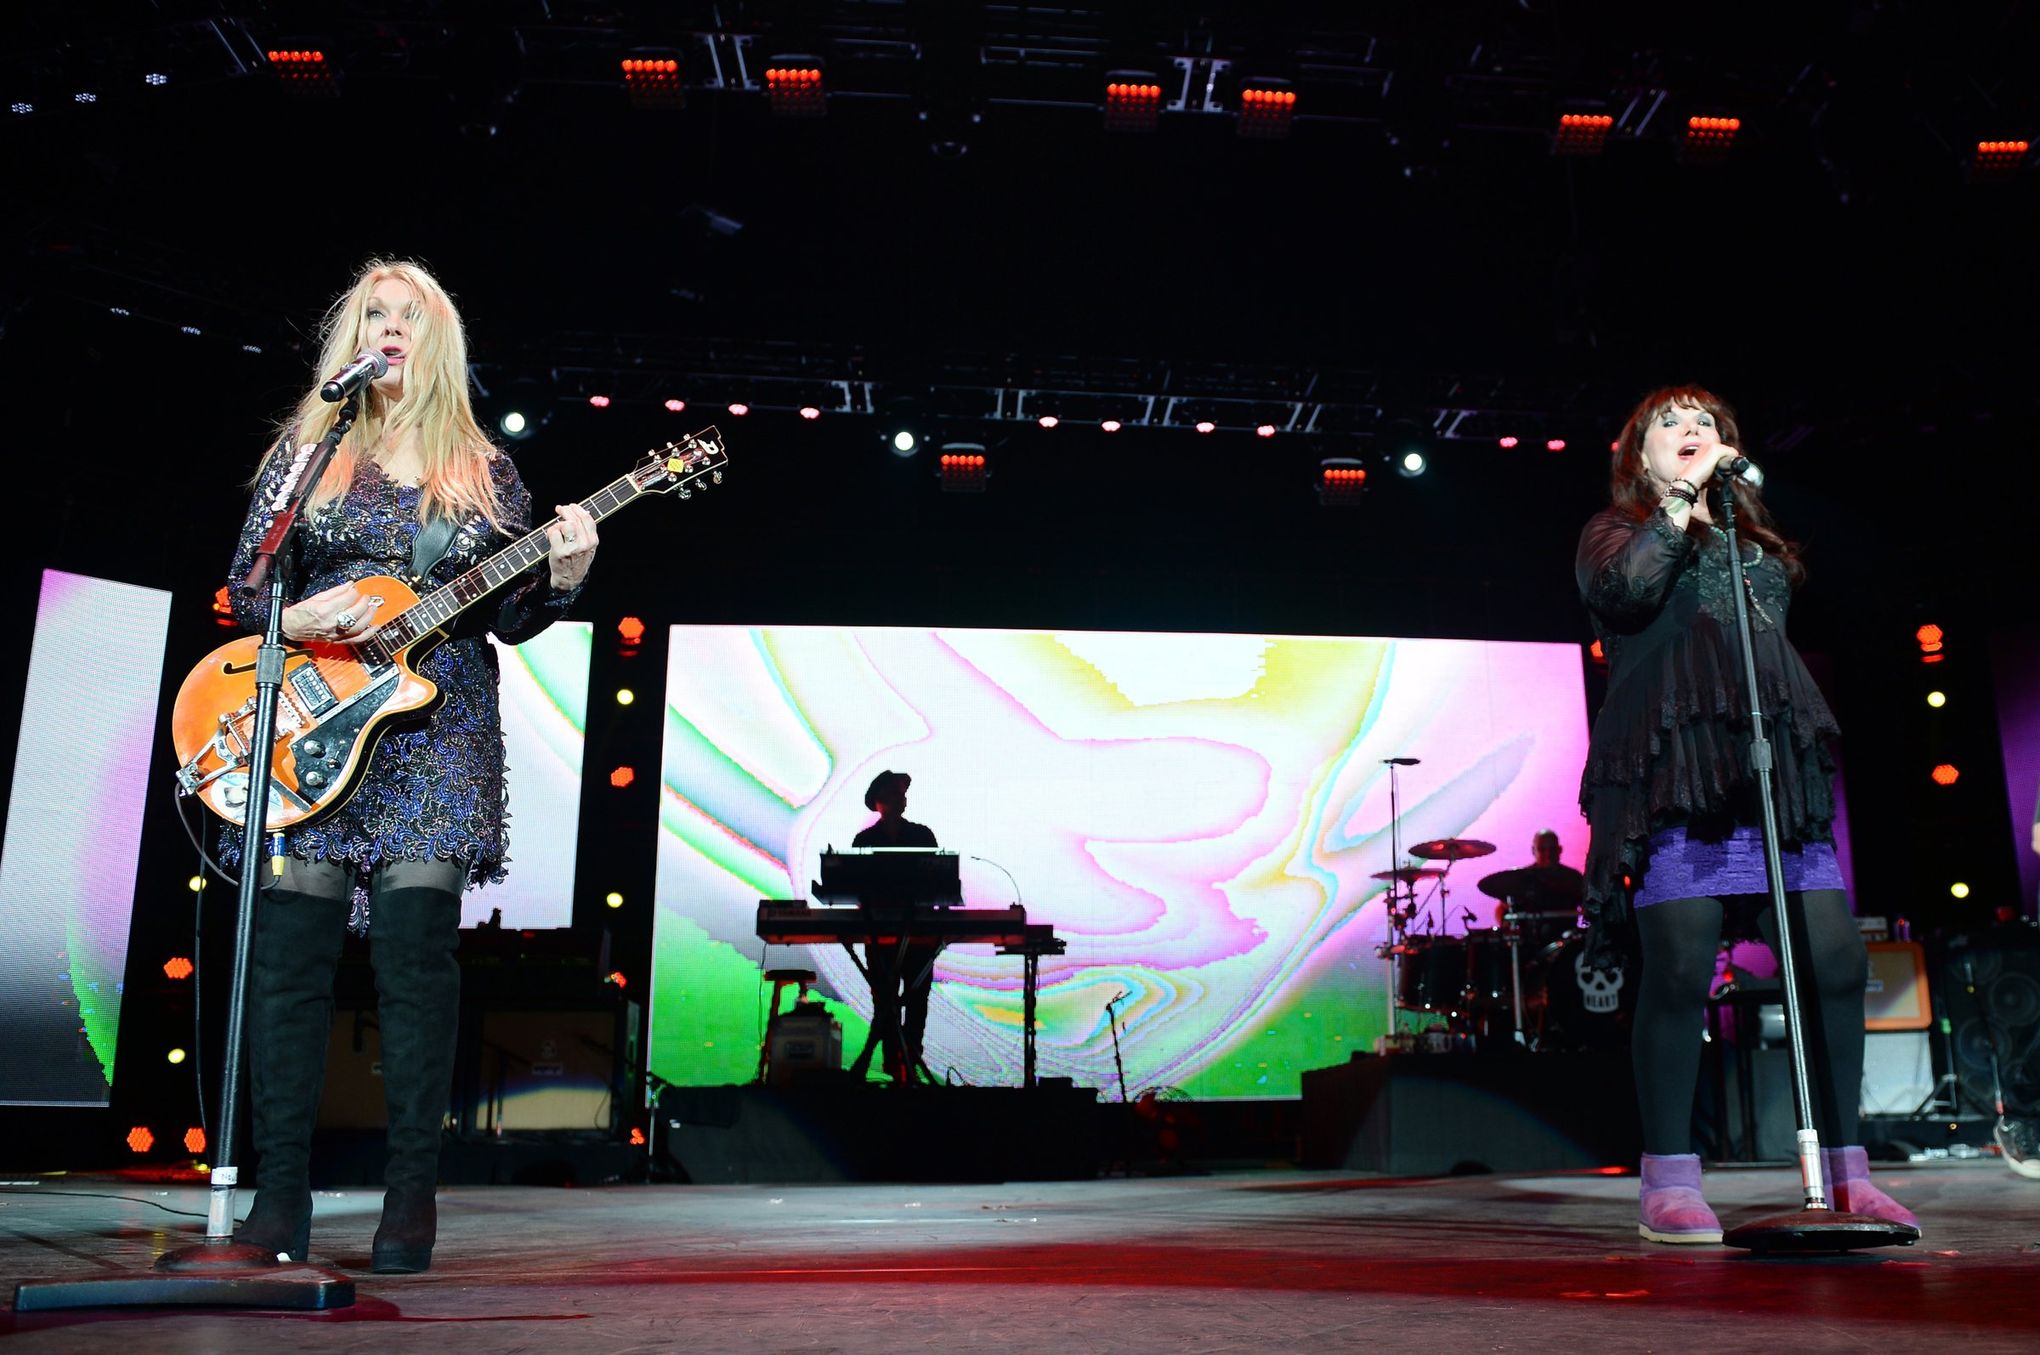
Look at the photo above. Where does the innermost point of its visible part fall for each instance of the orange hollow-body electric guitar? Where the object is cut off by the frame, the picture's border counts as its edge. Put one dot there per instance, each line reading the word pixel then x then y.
pixel 338 700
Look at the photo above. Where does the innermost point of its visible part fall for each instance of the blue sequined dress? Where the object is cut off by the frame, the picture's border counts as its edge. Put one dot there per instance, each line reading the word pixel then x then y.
pixel 434 791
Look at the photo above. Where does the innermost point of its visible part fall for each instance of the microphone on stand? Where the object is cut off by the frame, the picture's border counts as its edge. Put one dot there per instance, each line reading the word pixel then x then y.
pixel 1743 468
pixel 366 367
pixel 1401 761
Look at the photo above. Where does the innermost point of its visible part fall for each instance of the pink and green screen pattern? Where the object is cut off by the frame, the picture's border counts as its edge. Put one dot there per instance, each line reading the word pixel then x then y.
pixel 1198 816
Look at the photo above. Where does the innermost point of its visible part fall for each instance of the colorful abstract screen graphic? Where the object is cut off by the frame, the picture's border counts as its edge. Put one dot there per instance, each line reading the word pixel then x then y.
pixel 1198 815
pixel 74 830
pixel 545 727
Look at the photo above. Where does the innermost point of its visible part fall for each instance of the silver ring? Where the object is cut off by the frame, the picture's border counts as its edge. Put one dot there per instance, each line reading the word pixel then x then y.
pixel 567 536
pixel 345 620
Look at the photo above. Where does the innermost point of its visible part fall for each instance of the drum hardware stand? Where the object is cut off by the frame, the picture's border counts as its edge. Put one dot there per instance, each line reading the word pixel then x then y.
pixel 1513 921
pixel 1396 922
pixel 219 1272
pixel 1816 1226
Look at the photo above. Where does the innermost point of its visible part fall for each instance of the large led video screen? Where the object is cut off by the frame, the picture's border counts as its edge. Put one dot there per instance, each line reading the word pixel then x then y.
pixel 74 831
pixel 545 728
pixel 1199 816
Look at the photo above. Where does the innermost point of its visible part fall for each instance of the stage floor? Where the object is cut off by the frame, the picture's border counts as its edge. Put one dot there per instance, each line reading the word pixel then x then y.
pixel 1234 1262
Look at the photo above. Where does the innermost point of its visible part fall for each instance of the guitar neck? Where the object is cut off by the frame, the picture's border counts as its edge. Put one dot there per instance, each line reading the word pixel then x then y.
pixel 436 608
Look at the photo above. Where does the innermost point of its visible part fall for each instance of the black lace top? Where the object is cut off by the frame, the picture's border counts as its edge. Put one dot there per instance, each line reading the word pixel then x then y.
pixel 1670 746
pixel 434 791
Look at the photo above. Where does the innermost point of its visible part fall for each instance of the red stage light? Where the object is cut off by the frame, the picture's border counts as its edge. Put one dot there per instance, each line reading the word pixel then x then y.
pixel 1998 159
pixel 739 409
pixel 630 630
pixel 1506 441
pixel 963 472
pixel 637 1137
pixel 1600 654
pixel 140 1140
pixel 1708 139
pixel 622 776
pixel 1133 102
pixel 1582 133
pixel 1206 426
pixel 303 71
pixel 810 412
pixel 1341 482
pixel 795 90
pixel 616 977
pixel 194 1140
pixel 1266 112
pixel 1554 444
pixel 1946 774
pixel 652 82
pixel 178 967
pixel 1048 421
pixel 676 406
pixel 599 401
pixel 1266 430
pixel 1929 636
pixel 1109 426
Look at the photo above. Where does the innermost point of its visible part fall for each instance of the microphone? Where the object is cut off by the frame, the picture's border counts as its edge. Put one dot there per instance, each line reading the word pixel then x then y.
pixel 366 367
pixel 1400 761
pixel 1743 468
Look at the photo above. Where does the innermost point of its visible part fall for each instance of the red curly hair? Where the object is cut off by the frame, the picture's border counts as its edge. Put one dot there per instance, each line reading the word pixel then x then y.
pixel 1630 489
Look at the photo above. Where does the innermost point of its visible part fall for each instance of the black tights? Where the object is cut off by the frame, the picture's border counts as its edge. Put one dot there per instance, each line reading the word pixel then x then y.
pixel 1680 939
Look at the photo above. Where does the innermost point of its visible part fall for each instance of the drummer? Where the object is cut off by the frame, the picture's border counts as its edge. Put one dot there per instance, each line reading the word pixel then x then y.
pixel 1546 885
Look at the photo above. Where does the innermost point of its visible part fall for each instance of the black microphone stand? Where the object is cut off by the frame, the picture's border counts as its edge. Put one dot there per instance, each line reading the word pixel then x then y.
pixel 220 1272
pixel 1816 1226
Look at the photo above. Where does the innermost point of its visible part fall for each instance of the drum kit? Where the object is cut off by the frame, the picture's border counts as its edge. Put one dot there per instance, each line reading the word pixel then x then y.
pixel 1523 980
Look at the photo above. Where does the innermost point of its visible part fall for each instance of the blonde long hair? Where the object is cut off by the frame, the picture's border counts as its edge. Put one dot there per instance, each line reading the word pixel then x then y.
pixel 455 450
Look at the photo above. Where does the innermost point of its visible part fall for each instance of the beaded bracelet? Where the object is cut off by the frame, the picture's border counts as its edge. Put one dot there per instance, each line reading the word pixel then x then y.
pixel 1685 493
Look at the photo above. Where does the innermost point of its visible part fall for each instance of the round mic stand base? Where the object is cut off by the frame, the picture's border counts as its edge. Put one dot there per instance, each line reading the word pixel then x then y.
pixel 1812 1231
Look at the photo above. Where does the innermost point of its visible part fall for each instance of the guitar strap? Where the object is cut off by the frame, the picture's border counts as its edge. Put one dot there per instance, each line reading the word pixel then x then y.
pixel 429 547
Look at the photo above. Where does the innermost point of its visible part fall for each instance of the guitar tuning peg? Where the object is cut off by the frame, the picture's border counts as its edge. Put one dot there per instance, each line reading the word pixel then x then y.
pixel 685 492
pixel 716 477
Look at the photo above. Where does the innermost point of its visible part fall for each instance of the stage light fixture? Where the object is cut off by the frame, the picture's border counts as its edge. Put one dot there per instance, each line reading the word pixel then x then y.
pixel 1959 890
pixel 904 442
pixel 175 1056
pixel 1133 101
pixel 1937 699
pixel 194 1140
pixel 140 1140
pixel 304 71
pixel 637 1137
pixel 1708 140
pixel 1554 444
pixel 794 87
pixel 1412 464
pixel 1341 481
pixel 1582 134
pixel 177 967
pixel 156 79
pixel 613 899
pixel 631 630
pixel 1265 430
pixel 810 412
pixel 21 107
pixel 738 409
pixel 652 81
pixel 963 468
pixel 1506 441
pixel 676 406
pixel 85 96
pixel 1997 160
pixel 1206 426
pixel 513 423
pixel 625 696
pixel 1109 426
pixel 616 977
pixel 598 401
pixel 623 777
pixel 1267 108
pixel 196 884
pixel 1947 774
pixel 1048 421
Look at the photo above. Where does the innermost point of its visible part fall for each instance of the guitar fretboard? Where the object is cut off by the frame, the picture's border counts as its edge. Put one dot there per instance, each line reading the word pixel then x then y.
pixel 442 604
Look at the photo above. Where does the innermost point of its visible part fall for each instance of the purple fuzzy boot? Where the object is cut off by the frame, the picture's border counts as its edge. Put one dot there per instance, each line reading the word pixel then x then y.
pixel 1847 1171
pixel 1669 1207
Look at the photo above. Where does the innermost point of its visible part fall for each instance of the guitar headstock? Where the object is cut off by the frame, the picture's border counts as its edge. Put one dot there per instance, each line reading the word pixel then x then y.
pixel 693 462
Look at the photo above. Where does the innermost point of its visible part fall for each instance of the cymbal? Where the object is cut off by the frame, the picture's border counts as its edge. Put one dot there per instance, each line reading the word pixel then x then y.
pixel 1409 873
pixel 1546 884
pixel 1452 849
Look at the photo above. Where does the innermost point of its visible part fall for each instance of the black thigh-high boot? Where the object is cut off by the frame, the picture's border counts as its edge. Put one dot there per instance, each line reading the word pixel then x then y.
pixel 412 935
pixel 290 1020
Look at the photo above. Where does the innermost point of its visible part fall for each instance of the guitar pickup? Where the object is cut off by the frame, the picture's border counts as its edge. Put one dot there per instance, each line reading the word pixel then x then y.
pixel 311 689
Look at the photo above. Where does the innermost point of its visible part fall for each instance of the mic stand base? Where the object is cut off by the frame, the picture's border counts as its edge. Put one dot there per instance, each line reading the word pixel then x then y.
pixel 208 1275
pixel 1818 1231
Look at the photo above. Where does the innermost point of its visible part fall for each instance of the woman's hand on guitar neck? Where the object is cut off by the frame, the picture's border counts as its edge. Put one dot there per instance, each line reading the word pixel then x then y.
pixel 338 616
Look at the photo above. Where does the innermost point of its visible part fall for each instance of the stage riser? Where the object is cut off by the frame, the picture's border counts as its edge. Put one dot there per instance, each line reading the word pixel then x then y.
pixel 771 1135
pixel 1415 1115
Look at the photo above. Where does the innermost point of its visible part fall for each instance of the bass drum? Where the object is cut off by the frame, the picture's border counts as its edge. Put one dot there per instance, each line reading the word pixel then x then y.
pixel 1580 1008
pixel 1432 974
